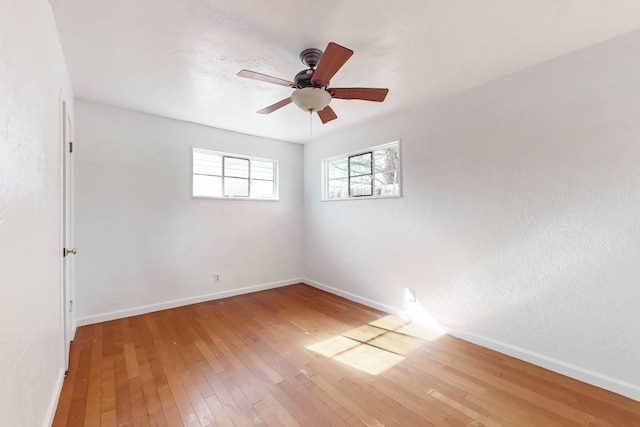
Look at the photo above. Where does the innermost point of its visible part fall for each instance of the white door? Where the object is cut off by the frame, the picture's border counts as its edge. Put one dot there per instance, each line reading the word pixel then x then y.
pixel 68 250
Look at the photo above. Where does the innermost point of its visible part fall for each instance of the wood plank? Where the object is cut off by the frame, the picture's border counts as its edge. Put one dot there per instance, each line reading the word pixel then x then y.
pixel 108 392
pixel 152 403
pixel 175 385
pixel 222 395
pixel 346 401
pixel 306 400
pixel 94 390
pixel 299 356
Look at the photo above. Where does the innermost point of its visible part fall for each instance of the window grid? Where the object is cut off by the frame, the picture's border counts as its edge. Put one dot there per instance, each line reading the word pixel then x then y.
pixel 232 175
pixel 344 177
pixel 353 193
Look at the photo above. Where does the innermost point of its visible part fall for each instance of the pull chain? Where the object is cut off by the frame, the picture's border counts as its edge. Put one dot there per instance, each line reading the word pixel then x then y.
pixel 310 123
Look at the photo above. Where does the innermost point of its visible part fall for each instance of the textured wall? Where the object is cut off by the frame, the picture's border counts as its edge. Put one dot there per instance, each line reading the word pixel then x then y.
pixel 32 75
pixel 519 221
pixel 142 240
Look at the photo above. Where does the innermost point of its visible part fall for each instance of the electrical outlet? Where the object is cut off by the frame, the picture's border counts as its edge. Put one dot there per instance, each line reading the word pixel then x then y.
pixel 216 278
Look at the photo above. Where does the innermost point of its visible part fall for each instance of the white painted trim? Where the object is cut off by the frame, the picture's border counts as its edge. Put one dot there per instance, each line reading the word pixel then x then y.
pixel 61 226
pixel 623 388
pixel 134 311
pixel 53 403
pixel 629 390
pixel 353 297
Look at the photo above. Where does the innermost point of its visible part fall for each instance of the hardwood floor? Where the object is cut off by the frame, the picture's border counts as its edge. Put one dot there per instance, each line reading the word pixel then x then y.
pixel 299 356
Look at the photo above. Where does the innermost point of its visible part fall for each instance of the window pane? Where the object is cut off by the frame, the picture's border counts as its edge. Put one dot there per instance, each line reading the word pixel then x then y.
pixel 207 164
pixel 338 168
pixel 360 165
pixel 368 173
pixel 220 175
pixel 236 187
pixel 338 189
pixel 207 186
pixel 387 159
pixel 387 184
pixel 238 168
pixel 261 170
pixel 262 189
pixel 360 186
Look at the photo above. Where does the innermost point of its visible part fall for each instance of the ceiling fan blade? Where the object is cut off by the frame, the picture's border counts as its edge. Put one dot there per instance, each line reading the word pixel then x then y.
pixel 363 93
pixel 327 114
pixel 331 61
pixel 276 106
pixel 264 78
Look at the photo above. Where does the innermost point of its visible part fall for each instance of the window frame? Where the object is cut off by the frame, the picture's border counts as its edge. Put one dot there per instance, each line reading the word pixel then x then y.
pixel 223 176
pixel 325 162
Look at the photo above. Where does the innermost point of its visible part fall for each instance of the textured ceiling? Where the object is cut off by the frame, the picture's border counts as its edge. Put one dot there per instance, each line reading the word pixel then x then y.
pixel 179 58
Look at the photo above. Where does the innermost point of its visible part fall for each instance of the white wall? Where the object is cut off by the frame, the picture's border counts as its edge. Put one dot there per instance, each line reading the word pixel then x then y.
pixel 32 75
pixel 520 222
pixel 144 243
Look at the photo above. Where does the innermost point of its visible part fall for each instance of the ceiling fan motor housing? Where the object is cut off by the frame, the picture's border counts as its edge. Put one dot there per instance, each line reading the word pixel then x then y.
pixel 310 58
pixel 303 78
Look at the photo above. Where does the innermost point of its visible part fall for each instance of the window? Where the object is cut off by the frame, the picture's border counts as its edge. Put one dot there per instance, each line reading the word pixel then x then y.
pixel 223 175
pixel 371 173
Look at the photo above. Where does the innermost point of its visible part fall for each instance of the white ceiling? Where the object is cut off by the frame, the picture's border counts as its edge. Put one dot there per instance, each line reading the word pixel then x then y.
pixel 179 58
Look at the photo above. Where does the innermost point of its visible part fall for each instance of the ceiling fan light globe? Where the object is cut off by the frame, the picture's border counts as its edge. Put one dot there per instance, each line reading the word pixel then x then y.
pixel 311 98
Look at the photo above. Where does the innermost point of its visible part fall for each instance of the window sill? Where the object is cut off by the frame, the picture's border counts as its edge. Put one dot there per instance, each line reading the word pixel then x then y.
pixel 252 199
pixel 362 198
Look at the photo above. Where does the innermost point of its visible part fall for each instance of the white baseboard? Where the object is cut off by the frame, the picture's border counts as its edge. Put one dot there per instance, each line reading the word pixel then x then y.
pixel 357 298
pixel 134 311
pixel 53 403
pixel 599 380
pixel 623 388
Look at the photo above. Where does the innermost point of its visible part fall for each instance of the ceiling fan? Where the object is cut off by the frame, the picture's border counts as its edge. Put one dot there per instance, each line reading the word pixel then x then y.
pixel 311 85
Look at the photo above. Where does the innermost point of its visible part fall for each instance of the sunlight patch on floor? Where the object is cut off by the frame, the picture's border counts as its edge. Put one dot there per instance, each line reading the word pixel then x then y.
pixel 397 343
pixel 390 322
pixel 376 346
pixel 423 333
pixel 364 333
pixel 334 346
pixel 369 359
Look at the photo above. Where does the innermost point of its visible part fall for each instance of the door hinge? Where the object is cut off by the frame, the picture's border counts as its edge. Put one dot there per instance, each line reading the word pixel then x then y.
pixel 70 147
pixel 70 306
